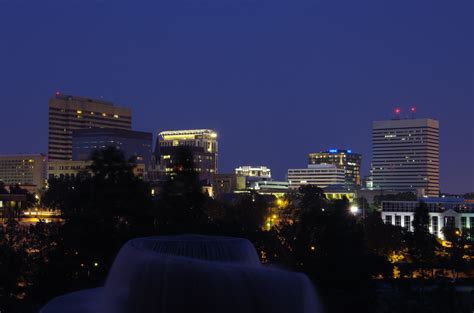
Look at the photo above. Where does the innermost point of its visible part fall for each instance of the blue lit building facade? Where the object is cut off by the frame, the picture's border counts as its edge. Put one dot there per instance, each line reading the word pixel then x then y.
pixel 344 159
pixel 132 143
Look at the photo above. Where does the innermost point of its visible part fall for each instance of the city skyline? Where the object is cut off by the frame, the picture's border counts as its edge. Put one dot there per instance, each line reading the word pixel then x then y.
pixel 271 103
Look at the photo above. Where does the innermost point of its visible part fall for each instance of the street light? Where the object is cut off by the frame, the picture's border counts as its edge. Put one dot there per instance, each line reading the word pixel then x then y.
pixel 354 210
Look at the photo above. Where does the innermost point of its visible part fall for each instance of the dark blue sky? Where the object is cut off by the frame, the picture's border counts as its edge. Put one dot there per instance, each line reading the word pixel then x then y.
pixel 277 79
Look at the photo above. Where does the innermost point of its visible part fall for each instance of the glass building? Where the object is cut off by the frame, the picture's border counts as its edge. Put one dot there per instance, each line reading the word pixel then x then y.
pixel 132 143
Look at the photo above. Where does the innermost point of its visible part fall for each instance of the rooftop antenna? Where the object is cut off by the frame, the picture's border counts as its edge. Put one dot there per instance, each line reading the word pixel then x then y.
pixel 413 112
pixel 397 112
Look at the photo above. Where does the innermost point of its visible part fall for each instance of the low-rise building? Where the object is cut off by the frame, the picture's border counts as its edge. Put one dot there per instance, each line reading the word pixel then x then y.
pixel 320 175
pixel 270 187
pixel 11 205
pixel 67 169
pixel 443 212
pixel 70 169
pixel 26 170
pixel 228 183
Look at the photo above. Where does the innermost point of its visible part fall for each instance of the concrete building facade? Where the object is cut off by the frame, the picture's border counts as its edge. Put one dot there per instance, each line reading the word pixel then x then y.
pixel 321 175
pixel 67 113
pixel 443 212
pixel 26 170
pixel 405 155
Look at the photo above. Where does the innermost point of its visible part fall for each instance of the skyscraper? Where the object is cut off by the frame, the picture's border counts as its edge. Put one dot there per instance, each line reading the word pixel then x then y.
pixel 344 159
pixel 405 155
pixel 202 143
pixel 71 112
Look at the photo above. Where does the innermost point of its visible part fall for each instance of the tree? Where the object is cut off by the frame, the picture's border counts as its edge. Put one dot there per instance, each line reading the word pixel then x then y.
pixel 456 249
pixel 111 192
pixel 102 210
pixel 31 200
pixel 180 207
pixel 422 245
pixel 384 239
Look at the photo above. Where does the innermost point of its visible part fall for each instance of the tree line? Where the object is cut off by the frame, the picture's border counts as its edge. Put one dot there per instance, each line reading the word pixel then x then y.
pixel 347 257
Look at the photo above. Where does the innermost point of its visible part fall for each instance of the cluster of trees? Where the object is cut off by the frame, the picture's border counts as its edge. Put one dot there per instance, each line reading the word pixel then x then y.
pixel 340 252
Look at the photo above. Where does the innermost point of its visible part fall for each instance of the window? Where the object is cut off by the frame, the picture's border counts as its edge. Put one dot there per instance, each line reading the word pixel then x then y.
pixel 434 224
pixel 449 221
pixel 398 220
pixel 463 222
pixel 471 222
pixel 406 222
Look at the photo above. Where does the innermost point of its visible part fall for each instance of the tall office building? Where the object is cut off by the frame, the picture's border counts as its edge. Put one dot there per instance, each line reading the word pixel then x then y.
pixel 26 170
pixel 344 159
pixel 67 113
pixel 202 143
pixel 405 155
pixel 132 143
pixel 321 175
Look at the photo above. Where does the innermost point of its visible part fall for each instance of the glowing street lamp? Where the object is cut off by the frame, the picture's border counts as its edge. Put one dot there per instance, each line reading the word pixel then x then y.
pixel 354 210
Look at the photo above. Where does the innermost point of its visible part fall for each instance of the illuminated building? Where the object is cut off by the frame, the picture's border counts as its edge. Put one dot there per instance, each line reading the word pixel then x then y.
pixel 26 170
pixel 201 143
pixel 134 144
pixel 405 155
pixel 254 171
pixel 270 187
pixel 320 175
pixel 228 183
pixel 344 159
pixel 254 174
pixel 339 192
pixel 67 113
pixel 70 169
pixel 443 212
pixel 11 206
pixel 67 169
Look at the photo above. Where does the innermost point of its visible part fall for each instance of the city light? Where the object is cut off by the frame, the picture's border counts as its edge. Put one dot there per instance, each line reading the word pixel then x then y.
pixel 354 209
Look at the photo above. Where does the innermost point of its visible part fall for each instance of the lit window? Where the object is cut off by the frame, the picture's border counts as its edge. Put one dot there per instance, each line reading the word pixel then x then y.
pixel 104 114
pixel 79 112
pixel 116 116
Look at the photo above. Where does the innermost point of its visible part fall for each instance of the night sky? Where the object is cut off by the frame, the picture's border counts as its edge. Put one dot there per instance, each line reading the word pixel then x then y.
pixel 277 79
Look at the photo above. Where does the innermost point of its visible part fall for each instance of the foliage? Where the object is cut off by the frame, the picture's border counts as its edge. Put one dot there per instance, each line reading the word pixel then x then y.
pixel 383 239
pixel 422 245
pixel 112 193
pixel 459 241
pixel 180 208
pixel 103 209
